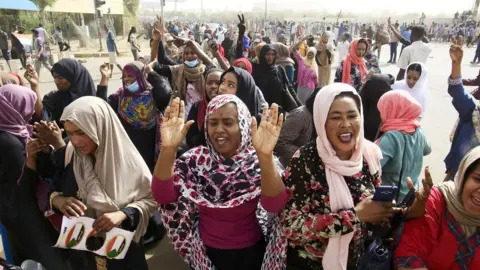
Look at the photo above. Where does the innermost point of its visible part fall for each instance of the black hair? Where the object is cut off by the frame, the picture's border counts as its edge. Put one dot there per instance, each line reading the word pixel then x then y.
pixel 356 98
pixel 40 25
pixel 328 28
pixel 210 70
pixel 347 35
pixel 418 32
pixel 132 30
pixel 415 67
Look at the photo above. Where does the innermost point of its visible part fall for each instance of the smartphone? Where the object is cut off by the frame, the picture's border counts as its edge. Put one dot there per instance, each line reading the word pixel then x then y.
pixel 385 193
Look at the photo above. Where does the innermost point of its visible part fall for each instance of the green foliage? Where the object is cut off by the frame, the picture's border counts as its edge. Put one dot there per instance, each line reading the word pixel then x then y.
pixel 131 5
pixel 42 4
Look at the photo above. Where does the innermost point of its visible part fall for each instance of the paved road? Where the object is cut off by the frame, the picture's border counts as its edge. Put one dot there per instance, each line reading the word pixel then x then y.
pixel 437 123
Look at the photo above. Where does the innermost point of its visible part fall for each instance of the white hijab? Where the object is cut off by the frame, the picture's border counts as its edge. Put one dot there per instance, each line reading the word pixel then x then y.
pixel 117 177
pixel 336 254
pixel 419 90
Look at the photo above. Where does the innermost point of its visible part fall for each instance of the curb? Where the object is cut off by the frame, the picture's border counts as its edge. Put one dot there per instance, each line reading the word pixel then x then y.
pixel 97 54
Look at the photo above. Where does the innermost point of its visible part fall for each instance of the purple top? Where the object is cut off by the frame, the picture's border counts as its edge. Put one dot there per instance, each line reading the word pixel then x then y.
pixel 224 228
pixel 307 78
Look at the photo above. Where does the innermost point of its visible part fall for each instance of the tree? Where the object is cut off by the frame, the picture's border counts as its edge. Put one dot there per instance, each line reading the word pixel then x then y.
pixel 132 5
pixel 42 4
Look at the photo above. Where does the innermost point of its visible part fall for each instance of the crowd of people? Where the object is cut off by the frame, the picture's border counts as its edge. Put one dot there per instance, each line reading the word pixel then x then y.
pixel 244 153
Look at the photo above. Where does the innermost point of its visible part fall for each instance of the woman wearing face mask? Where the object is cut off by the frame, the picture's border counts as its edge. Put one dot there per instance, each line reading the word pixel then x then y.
pixel 403 143
pixel 353 69
pixel 140 105
pixel 446 237
pixel 102 176
pixel 272 80
pixel 220 186
pixel 196 133
pixel 29 233
pixel 187 79
pixel 416 83
pixel 324 59
pixel 73 81
pixel 307 80
pixel 331 179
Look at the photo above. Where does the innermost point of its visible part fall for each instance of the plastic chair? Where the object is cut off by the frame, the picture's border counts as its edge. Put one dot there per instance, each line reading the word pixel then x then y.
pixel 6 245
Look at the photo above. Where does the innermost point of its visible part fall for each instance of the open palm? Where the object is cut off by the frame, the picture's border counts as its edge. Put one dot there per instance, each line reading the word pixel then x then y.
pixel 265 137
pixel 174 129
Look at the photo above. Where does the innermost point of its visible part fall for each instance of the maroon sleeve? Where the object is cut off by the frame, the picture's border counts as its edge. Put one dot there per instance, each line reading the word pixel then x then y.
pixel 164 191
pixel 274 204
pixel 472 82
pixel 419 234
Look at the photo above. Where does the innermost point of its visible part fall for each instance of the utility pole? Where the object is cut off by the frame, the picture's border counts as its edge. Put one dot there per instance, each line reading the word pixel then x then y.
pixel 265 20
pixel 176 5
pixel 162 3
pixel 201 9
pixel 97 4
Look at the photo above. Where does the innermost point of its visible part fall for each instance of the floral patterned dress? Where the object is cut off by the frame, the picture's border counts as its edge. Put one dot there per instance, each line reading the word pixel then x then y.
pixel 307 220
pixel 355 76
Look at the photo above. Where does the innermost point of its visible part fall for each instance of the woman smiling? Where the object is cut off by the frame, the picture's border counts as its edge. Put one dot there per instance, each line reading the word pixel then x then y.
pixel 210 196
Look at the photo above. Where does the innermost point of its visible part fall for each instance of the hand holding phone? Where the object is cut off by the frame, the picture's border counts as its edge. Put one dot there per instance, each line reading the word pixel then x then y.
pixel 385 193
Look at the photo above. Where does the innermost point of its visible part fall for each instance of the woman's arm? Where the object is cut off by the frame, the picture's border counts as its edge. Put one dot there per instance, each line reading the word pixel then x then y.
pixel 200 53
pixel 162 57
pixel 161 89
pixel 220 60
pixel 290 132
pixel 463 102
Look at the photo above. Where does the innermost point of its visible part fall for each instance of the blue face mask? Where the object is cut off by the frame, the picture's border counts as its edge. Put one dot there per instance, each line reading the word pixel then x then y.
pixel 133 88
pixel 191 64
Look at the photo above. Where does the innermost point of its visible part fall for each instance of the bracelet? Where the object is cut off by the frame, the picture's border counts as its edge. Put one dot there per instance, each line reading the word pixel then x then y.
pixel 53 196
pixel 455 81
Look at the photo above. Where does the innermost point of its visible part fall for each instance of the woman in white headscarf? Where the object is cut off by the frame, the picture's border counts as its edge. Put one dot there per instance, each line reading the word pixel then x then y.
pixel 103 177
pixel 416 83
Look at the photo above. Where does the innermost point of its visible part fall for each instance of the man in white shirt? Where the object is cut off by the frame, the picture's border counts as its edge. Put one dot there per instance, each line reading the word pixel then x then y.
pixel 418 51
pixel 331 36
pixel 343 47
pixel 293 31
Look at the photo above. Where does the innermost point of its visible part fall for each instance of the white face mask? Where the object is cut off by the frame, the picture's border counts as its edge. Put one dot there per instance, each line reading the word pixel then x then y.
pixel 133 88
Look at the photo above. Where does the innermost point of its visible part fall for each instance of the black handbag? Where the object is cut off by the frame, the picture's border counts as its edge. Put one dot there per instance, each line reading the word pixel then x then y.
pixel 291 100
pixel 379 254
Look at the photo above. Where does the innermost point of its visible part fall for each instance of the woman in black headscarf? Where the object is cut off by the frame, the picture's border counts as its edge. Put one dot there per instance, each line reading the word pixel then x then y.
pixel 272 80
pixel 370 93
pixel 73 81
pixel 298 129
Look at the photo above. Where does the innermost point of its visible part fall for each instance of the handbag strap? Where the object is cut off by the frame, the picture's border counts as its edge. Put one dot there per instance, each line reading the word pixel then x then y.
pixel 402 167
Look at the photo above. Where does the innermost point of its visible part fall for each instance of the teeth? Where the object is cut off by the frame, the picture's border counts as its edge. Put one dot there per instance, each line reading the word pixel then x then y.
pixel 476 200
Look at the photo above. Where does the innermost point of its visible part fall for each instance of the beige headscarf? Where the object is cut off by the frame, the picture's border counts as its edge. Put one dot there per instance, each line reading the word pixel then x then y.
pixel 311 63
pixel 9 78
pixel 182 74
pixel 452 192
pixel 117 177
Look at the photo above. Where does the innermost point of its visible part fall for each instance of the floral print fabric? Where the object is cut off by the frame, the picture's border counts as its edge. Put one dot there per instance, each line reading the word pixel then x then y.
pixel 308 221
pixel 355 76
pixel 207 179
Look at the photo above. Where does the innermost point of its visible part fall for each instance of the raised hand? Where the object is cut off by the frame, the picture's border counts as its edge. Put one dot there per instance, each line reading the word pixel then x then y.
pixel 158 30
pixel 174 129
pixel 421 196
pixel 179 41
pixel 241 25
pixel 105 70
pixel 265 137
pixel 50 133
pixel 456 49
pixel 31 76
pixel 213 46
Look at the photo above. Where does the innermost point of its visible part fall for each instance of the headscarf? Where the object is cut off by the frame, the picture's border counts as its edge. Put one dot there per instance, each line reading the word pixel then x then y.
pixel 399 111
pixel 81 85
pixel 325 53
pixel 370 93
pixel 247 91
pixel 117 176
pixel 202 107
pixel 283 54
pixel 245 61
pixel 311 62
pixel 419 90
pixel 336 254
pixel 452 192
pixel 17 105
pixel 207 179
pixel 181 75
pixel 353 59
pixel 10 78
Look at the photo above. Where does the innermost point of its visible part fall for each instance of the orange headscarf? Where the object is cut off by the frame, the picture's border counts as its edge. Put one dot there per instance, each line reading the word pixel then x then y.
pixel 352 58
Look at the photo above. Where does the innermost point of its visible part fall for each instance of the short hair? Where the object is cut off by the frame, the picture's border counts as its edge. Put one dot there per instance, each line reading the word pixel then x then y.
pixel 328 28
pixel 418 31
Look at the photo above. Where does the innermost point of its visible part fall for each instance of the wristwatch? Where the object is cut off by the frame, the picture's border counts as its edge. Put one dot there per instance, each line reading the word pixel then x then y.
pixel 52 196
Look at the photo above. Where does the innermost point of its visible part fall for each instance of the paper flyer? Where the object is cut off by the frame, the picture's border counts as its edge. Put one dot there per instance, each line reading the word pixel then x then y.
pixel 78 233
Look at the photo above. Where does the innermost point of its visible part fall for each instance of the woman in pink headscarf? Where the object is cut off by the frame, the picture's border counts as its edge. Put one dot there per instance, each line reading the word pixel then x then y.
pixel 353 69
pixel 330 181
pixel 403 143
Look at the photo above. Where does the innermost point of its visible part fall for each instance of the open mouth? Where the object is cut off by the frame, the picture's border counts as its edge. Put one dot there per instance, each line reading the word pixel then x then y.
pixel 346 137
pixel 476 201
pixel 221 141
